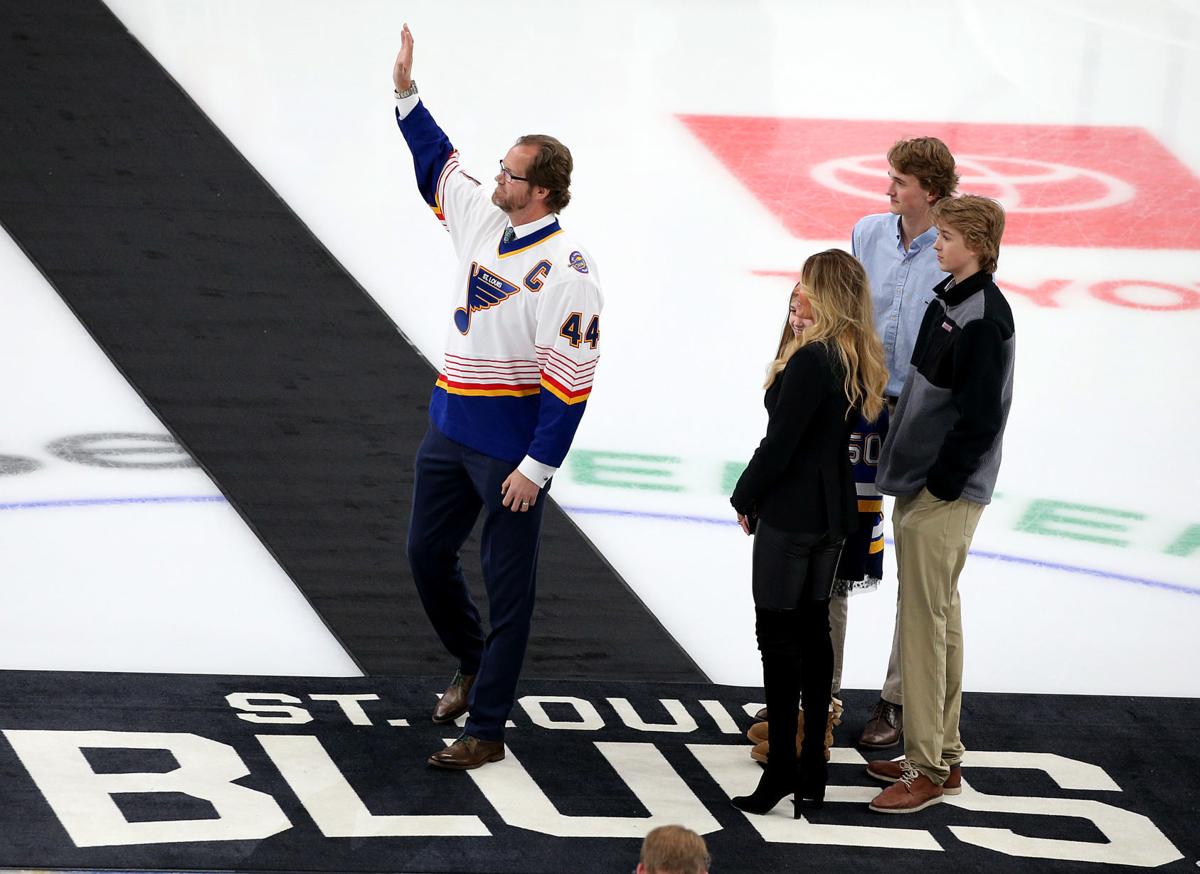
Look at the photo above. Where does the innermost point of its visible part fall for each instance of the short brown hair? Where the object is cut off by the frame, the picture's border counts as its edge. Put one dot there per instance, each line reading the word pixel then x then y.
pixel 980 220
pixel 673 849
pixel 551 168
pixel 929 160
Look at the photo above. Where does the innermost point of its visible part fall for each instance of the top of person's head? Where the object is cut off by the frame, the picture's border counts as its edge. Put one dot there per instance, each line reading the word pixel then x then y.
pixel 980 220
pixel 834 279
pixel 550 168
pixel 673 849
pixel 929 160
pixel 839 294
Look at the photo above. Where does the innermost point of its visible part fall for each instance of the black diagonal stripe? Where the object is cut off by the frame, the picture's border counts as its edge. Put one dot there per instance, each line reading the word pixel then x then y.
pixel 253 345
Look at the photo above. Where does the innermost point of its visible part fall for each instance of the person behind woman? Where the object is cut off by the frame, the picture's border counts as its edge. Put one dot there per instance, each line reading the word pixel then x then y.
pixel 797 497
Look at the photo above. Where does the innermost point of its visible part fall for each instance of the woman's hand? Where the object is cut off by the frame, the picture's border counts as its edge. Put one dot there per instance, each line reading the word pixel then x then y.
pixel 744 521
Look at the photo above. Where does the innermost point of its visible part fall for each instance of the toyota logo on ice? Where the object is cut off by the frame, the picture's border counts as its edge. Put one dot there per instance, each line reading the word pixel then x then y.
pixel 1020 184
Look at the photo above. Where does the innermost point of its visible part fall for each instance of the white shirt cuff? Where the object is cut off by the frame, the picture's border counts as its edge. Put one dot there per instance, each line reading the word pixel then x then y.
pixel 405 105
pixel 536 471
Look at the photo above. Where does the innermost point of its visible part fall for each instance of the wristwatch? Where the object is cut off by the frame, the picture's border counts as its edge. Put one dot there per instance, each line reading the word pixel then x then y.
pixel 407 92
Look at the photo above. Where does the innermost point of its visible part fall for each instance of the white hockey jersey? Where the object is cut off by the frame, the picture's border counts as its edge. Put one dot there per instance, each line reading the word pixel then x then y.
pixel 523 332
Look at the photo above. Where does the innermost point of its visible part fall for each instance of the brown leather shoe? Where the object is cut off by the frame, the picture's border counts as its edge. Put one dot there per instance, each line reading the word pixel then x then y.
pixel 453 702
pixel 890 772
pixel 912 792
pixel 885 728
pixel 468 753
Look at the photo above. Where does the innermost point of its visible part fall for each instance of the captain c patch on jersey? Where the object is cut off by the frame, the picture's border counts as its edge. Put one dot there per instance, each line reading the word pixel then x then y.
pixel 484 289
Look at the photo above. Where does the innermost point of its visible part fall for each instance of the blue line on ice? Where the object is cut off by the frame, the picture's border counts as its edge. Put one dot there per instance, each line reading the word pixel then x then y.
pixel 635 514
pixel 996 556
pixel 102 502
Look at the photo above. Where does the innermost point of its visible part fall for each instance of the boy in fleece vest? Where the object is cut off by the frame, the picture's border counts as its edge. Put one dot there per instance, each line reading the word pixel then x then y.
pixel 940 462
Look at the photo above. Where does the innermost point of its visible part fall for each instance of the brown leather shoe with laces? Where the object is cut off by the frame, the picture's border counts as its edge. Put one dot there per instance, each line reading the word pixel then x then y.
pixel 912 792
pixel 453 702
pixel 468 753
pixel 885 728
pixel 890 772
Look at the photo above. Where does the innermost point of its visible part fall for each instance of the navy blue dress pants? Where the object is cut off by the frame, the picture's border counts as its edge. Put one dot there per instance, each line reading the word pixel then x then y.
pixel 453 484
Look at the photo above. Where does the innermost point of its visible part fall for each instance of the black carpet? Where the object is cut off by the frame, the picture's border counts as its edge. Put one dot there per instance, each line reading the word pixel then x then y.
pixel 1094 779
pixel 257 350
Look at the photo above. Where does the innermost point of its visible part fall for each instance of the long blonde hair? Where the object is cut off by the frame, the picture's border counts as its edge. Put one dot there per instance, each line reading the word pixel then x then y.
pixel 840 296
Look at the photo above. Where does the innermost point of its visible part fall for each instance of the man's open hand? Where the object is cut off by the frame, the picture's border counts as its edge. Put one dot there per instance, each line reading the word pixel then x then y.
pixel 402 71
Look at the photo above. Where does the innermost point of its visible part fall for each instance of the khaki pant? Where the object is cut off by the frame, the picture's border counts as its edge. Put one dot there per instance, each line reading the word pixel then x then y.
pixel 932 539
pixel 839 613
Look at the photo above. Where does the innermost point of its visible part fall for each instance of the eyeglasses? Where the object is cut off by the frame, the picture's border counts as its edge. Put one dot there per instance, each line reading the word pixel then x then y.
pixel 509 175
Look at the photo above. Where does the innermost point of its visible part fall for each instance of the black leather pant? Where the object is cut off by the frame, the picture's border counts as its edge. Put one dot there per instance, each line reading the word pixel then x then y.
pixel 791 569
pixel 793 578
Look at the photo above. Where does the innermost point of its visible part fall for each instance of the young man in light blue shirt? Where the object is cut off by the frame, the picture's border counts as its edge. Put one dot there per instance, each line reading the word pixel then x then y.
pixel 896 248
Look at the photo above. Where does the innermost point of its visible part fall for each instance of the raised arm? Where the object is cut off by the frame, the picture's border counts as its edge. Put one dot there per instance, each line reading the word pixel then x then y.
pixel 431 148
pixel 456 199
pixel 402 69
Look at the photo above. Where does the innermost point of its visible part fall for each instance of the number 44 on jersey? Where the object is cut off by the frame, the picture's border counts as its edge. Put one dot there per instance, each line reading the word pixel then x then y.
pixel 573 330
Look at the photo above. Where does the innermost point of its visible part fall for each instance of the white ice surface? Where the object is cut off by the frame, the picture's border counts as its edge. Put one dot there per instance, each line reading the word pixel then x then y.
pixel 1104 414
pixel 172 580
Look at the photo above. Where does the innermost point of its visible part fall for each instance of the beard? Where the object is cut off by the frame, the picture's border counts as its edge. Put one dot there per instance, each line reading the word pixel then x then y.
pixel 511 201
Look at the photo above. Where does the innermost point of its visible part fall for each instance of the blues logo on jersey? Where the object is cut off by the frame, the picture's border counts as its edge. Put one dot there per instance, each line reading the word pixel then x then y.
pixel 484 289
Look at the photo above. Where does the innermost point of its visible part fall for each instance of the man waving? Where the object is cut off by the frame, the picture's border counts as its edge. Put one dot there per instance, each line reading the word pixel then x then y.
pixel 522 342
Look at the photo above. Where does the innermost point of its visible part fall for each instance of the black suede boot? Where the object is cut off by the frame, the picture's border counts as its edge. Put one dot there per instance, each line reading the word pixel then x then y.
pixel 781 687
pixel 816 674
pixel 811 768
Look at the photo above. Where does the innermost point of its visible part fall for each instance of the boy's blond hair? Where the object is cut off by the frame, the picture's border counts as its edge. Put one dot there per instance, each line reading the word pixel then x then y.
pixel 673 849
pixel 980 220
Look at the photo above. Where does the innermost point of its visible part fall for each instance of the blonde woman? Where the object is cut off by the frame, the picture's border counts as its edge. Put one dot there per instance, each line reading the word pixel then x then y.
pixel 797 497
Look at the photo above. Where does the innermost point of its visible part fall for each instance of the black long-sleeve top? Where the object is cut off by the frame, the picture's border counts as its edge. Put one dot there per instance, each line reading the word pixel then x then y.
pixel 800 478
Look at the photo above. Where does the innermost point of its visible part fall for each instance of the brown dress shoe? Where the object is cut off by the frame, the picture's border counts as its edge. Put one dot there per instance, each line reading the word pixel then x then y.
pixel 453 702
pixel 890 772
pixel 468 753
pixel 885 728
pixel 912 792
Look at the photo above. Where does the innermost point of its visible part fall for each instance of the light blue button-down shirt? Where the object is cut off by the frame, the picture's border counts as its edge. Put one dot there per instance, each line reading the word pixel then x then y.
pixel 901 287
